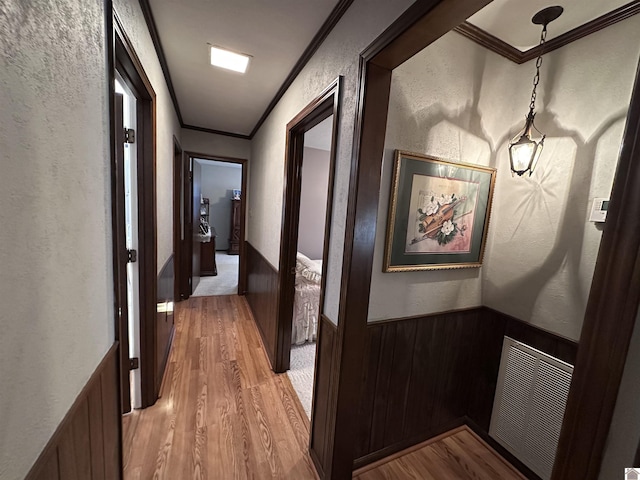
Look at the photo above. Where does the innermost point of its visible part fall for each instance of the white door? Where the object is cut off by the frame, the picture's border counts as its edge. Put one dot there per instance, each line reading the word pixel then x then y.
pixel 131 219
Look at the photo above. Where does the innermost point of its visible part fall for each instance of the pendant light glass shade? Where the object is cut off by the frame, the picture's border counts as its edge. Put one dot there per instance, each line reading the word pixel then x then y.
pixel 525 151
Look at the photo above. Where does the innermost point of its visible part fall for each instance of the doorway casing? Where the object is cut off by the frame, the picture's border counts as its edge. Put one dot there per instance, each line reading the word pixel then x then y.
pixel 327 103
pixel 186 255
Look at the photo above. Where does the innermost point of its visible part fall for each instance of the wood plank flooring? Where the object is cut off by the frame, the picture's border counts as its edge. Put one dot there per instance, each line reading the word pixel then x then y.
pixel 223 414
pixel 456 455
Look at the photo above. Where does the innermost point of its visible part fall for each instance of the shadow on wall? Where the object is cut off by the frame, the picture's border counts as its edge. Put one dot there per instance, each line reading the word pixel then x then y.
pixel 528 199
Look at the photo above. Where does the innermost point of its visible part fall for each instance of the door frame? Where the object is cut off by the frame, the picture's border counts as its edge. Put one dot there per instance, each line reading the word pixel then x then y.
pixel 242 267
pixel 180 176
pixel 327 103
pixel 130 68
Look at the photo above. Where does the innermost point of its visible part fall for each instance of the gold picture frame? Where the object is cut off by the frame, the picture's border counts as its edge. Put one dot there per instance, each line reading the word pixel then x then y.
pixel 438 215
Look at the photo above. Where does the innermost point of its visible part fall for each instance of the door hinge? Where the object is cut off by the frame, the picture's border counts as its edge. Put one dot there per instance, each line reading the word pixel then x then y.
pixel 134 363
pixel 132 256
pixel 129 135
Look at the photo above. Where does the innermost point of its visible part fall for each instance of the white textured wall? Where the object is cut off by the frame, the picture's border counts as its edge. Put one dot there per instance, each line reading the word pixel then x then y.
pixel 313 202
pixel 542 248
pixel 460 102
pixel 167 124
pixel 212 144
pixel 338 55
pixel 433 109
pixel 56 286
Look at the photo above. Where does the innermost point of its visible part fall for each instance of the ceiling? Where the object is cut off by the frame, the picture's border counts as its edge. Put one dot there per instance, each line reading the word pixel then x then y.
pixel 276 34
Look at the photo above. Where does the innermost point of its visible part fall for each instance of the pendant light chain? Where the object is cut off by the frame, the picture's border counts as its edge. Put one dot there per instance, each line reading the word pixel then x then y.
pixel 536 78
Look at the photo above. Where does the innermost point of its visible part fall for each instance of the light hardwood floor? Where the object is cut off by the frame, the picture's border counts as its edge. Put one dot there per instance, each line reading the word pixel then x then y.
pixel 223 414
pixel 456 455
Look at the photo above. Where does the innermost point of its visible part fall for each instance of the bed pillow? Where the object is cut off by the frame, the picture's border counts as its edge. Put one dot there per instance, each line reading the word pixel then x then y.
pixel 308 269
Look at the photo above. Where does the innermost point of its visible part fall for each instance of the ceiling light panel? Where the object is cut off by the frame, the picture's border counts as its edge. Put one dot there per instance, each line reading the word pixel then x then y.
pixel 230 60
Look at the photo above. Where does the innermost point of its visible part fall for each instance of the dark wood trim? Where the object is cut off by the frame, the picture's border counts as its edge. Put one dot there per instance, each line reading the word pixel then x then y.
pixel 96 410
pixel 113 446
pixel 380 323
pixel 610 317
pixel 327 103
pixel 503 452
pixel 216 132
pixel 130 67
pixel 551 343
pixel 155 38
pixel 242 267
pixel 593 26
pixel 516 55
pixel 381 456
pixel 485 39
pixel 324 388
pixel 428 21
pixel 179 251
pixel 332 20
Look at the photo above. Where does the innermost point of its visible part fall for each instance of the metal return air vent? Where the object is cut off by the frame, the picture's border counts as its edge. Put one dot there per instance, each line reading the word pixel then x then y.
pixel 529 404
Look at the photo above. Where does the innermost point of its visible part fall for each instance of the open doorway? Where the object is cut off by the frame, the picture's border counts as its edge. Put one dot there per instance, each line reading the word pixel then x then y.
pixel 304 243
pixel 218 229
pixel 214 212
pixel 130 177
pixel 312 227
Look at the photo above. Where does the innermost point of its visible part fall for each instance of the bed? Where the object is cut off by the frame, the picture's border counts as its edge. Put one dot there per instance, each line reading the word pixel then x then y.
pixel 306 300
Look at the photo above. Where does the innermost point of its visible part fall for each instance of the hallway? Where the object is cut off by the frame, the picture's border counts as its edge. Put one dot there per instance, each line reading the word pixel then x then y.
pixel 222 412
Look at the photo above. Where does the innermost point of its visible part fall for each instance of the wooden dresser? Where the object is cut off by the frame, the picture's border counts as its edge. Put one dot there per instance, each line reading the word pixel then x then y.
pixel 234 236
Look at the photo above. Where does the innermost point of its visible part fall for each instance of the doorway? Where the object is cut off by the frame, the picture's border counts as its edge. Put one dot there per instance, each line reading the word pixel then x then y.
pixel 135 180
pixel 293 267
pixel 128 125
pixel 218 229
pixel 312 228
pixel 214 210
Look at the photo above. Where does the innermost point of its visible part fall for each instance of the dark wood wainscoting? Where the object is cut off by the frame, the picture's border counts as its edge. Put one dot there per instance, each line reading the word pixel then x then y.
pixel 325 382
pixel 425 375
pixel 262 296
pixel 164 318
pixel 87 443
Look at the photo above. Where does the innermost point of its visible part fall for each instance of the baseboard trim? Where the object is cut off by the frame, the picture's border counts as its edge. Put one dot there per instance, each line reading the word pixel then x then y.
pixel 50 455
pixel 380 457
pixel 407 451
pixel 525 471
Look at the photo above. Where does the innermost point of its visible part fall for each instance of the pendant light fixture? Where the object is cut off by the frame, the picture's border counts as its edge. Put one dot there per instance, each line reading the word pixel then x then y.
pixel 524 151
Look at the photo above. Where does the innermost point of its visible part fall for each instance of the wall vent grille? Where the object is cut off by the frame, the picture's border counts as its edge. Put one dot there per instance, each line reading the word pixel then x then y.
pixel 529 404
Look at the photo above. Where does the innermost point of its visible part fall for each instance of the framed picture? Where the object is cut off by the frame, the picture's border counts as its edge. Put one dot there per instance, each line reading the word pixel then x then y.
pixel 439 214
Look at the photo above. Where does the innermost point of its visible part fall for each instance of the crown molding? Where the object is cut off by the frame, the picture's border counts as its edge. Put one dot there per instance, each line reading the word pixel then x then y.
pixel 216 132
pixel 335 16
pixel 155 38
pixel 508 51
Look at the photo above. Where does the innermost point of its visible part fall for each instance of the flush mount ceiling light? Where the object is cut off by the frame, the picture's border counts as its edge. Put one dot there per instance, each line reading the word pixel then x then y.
pixel 222 58
pixel 524 151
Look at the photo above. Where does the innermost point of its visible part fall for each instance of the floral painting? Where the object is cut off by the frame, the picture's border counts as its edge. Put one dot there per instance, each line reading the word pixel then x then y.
pixel 439 214
pixel 443 211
